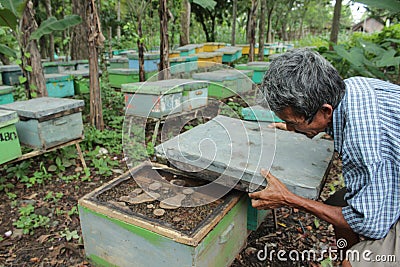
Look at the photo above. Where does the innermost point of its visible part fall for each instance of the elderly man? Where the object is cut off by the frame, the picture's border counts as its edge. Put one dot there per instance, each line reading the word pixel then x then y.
pixel 363 116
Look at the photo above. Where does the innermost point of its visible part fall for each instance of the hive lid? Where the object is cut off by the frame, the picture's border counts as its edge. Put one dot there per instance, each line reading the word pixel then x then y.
pixel 162 87
pixel 7 117
pixel 214 43
pixel 119 60
pixel 183 59
pixel 10 68
pixel 259 65
pixel 229 49
pixel 235 151
pixel 76 73
pixel 146 56
pixel 187 47
pixel 123 71
pixel 43 106
pixel 57 77
pixel 219 75
pixel 208 54
pixel 50 63
pixel 6 89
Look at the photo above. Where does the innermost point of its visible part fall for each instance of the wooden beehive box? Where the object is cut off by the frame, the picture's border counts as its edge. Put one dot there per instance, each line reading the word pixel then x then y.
pixel 230 53
pixel 224 83
pixel 6 94
pixel 119 76
pixel 153 99
pixel 59 85
pixel 258 67
pixel 258 113
pixel 9 142
pixel 47 122
pixel 10 74
pixel 151 61
pixel 208 59
pixel 119 62
pixel 119 233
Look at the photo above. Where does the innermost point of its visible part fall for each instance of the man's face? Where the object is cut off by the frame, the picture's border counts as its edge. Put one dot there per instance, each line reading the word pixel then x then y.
pixel 311 127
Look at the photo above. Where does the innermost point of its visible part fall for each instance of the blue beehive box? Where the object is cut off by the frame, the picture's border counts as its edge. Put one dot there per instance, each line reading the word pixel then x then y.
pixel 10 74
pixel 59 85
pixel 230 53
pixel 6 94
pixel 151 61
pixel 46 122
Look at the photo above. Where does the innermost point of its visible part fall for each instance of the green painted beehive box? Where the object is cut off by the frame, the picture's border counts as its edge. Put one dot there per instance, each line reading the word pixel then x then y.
pixel 153 99
pixel 224 83
pixel 9 142
pixel 81 64
pixel 66 66
pixel 255 217
pixel 115 236
pixel 50 67
pixel 117 77
pixel 230 53
pixel 10 74
pixel 119 62
pixel 6 94
pixel 258 113
pixel 59 85
pixel 258 67
pixel 183 64
pixel 46 122
pixel 194 95
pixel 81 80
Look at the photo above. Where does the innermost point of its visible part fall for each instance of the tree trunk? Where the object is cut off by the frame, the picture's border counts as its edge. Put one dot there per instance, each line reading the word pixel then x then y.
pixel 234 17
pixel 269 32
pixel 94 39
pixel 185 23
pixel 79 44
pixel 119 20
pixel 35 84
pixel 164 71
pixel 140 45
pixel 261 35
pixel 335 24
pixel 252 29
pixel 51 37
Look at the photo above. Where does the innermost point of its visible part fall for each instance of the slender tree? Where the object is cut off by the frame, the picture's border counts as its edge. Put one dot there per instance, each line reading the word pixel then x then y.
pixel 261 30
pixel 164 72
pixel 51 37
pixel 185 22
pixel 234 17
pixel 252 29
pixel 335 24
pixel 94 39
pixel 79 44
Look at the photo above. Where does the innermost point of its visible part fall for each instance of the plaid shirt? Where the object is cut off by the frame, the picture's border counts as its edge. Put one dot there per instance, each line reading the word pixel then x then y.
pixel 366 129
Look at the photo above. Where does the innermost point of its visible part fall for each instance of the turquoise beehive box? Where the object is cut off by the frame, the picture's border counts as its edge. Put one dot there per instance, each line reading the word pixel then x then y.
pixel 46 122
pixel 59 85
pixel 10 74
pixel 6 94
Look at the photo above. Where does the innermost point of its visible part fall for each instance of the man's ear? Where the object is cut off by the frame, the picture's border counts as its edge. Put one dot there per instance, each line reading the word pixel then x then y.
pixel 327 110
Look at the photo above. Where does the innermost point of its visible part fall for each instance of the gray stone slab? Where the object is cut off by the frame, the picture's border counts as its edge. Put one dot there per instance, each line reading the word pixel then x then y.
pixel 43 106
pixel 237 150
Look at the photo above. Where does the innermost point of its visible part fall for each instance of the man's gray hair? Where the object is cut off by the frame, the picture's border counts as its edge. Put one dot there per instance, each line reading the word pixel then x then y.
pixel 303 80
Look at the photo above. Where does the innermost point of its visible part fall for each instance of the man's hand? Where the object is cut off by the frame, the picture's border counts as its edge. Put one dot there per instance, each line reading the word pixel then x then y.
pixel 275 195
pixel 278 125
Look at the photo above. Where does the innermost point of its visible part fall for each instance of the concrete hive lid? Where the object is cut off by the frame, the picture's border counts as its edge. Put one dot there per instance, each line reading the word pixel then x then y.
pixel 123 71
pixel 6 89
pixel 7 117
pixel 10 68
pixel 208 54
pixel 183 59
pixel 162 87
pixel 236 150
pixel 43 106
pixel 145 55
pixel 218 75
pixel 187 47
pixel 229 49
pixel 119 59
pixel 76 73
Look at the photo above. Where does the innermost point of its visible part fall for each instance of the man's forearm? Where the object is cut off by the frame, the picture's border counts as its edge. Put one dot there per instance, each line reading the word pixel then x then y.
pixel 329 213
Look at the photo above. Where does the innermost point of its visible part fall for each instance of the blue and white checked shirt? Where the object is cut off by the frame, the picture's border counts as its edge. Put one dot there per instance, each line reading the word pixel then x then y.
pixel 366 129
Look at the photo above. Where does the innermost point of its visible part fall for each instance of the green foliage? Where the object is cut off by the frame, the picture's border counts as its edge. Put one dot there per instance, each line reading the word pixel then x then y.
pixel 232 109
pixel 52 24
pixel 38 177
pixel 28 220
pixel 53 197
pixel 69 235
